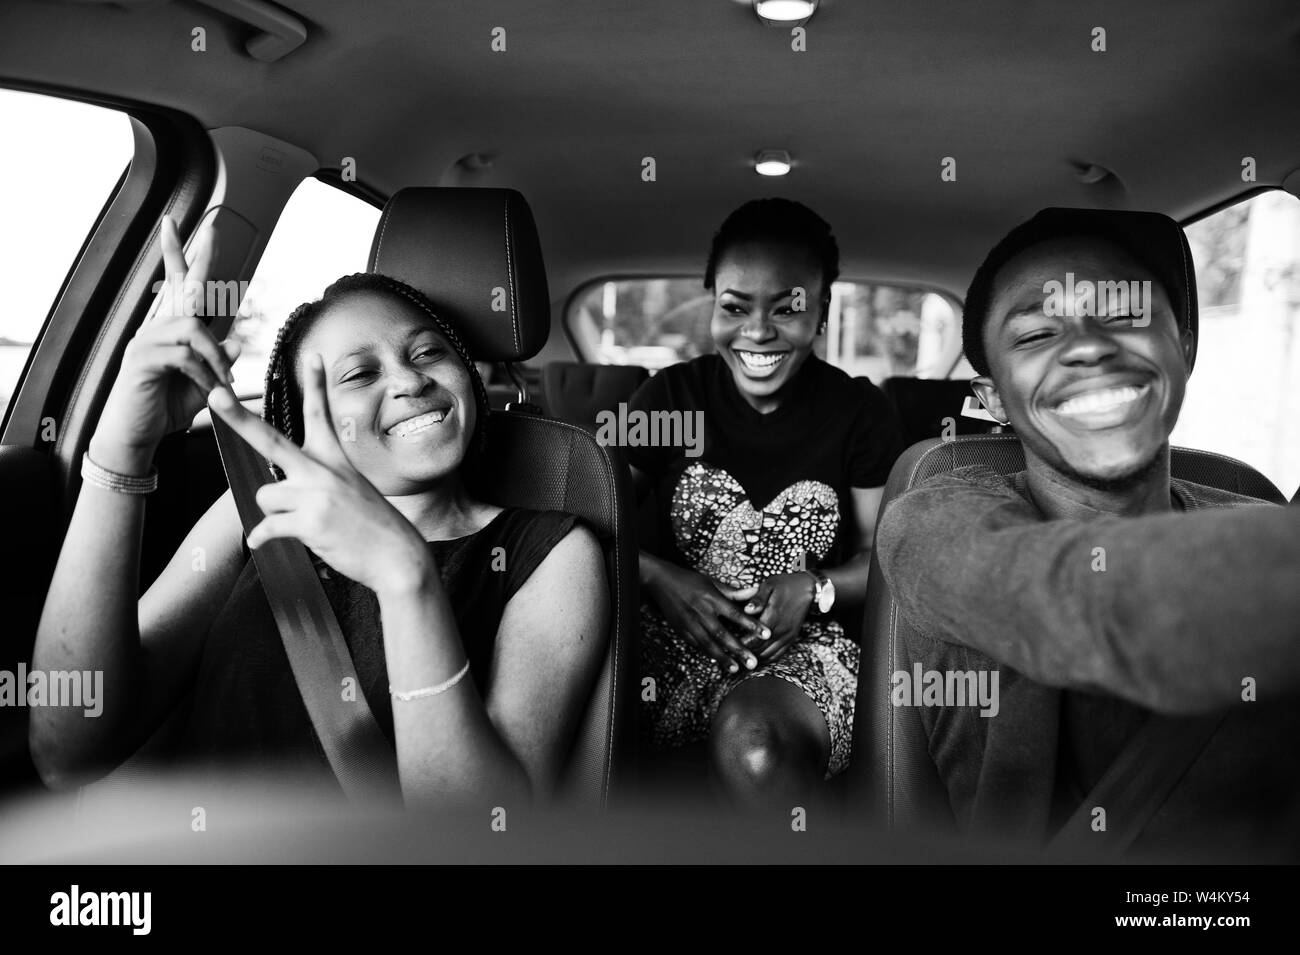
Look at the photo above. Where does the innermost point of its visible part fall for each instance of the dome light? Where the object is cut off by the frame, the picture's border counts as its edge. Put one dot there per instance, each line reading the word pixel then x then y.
pixel 772 162
pixel 785 12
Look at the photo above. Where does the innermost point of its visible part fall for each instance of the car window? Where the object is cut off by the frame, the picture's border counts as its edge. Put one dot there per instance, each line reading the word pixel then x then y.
pixel 872 329
pixel 322 234
pixel 1243 398
pixel 885 331
pixel 52 190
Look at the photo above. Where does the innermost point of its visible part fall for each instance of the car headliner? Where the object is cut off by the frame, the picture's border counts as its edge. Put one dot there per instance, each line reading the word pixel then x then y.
pixel 585 89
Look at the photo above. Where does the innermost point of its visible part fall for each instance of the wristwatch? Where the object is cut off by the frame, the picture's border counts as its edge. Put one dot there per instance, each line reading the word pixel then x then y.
pixel 823 592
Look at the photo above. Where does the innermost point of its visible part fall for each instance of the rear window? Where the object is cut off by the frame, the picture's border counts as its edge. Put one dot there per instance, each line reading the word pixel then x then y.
pixel 873 329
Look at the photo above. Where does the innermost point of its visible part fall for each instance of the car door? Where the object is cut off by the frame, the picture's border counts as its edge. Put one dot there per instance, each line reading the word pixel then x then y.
pixel 81 195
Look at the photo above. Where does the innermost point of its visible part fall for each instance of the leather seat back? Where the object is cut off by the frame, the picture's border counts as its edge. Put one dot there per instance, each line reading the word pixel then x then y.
pixel 892 775
pixel 923 404
pixel 477 256
pixel 551 465
pixel 577 392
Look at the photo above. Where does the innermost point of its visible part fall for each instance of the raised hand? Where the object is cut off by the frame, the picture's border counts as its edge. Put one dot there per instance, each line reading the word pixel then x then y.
pixel 324 502
pixel 170 365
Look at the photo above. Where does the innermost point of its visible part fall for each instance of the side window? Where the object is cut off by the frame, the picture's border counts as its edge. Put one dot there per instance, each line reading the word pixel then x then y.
pixel 322 234
pixel 58 168
pixel 1243 398
pixel 871 329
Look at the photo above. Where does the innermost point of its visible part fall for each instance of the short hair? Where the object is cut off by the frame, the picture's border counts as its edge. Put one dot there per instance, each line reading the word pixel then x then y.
pixel 283 396
pixel 776 220
pixel 1155 240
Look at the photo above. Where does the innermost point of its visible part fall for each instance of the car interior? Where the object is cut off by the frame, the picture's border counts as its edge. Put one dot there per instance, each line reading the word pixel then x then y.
pixel 579 156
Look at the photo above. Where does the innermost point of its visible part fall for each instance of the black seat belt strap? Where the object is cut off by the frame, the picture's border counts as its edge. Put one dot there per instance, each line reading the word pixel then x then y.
pixel 1137 783
pixel 360 755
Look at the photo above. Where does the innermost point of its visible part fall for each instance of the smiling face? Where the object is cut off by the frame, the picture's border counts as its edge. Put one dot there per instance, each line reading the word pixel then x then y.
pixel 402 402
pixel 1093 396
pixel 757 326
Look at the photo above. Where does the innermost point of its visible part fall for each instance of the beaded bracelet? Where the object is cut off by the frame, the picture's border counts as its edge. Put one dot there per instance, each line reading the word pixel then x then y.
pixel 108 480
pixel 434 690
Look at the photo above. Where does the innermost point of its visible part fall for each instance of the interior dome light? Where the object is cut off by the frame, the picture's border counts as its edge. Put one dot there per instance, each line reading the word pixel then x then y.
pixel 772 162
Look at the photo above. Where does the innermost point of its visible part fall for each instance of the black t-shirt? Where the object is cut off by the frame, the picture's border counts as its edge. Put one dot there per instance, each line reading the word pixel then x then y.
pixel 829 428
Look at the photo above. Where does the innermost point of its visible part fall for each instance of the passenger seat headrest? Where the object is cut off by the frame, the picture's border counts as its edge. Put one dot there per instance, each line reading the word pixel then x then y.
pixel 476 254
pixel 577 392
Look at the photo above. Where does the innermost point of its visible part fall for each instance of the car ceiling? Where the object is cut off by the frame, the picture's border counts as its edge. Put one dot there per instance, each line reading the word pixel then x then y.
pixel 586 89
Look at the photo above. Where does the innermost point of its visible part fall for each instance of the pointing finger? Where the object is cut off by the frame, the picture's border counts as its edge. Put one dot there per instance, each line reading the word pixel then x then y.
pixel 201 253
pixel 321 441
pixel 173 257
pixel 264 439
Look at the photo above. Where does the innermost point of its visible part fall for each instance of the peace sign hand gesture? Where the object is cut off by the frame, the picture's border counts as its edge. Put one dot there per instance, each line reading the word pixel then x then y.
pixel 324 502
pixel 172 362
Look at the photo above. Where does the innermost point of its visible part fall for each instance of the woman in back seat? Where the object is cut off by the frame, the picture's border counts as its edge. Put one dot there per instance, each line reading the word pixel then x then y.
pixel 768 521
pixel 494 620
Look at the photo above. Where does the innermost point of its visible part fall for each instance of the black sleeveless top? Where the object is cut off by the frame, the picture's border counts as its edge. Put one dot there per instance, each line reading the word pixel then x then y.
pixel 246 706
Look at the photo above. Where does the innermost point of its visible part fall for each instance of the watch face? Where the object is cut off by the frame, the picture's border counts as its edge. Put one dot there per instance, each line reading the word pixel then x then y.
pixel 825 595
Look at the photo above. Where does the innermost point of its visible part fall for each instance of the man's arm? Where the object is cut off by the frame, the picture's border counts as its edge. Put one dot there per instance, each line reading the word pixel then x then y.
pixel 1170 611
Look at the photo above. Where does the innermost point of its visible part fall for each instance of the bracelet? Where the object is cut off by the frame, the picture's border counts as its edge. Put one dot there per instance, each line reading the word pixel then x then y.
pixel 434 690
pixel 108 480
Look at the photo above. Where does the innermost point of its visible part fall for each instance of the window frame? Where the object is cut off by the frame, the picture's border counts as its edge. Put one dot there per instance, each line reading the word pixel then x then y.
pixel 356 188
pixel 1245 196
pixel 106 291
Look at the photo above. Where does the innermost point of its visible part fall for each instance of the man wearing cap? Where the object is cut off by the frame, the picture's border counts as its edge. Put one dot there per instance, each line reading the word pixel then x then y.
pixel 1101 590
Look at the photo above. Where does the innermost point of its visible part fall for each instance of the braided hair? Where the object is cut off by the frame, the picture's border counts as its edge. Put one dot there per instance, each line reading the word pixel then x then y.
pixel 282 405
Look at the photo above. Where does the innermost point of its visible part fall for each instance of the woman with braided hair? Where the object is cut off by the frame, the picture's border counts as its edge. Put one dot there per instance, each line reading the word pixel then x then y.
pixel 492 618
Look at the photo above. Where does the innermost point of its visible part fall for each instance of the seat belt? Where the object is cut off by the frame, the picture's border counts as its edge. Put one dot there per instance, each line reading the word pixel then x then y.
pixel 360 755
pixel 1149 767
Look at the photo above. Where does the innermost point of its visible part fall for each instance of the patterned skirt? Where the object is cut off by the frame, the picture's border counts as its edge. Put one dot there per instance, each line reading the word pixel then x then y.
pixel 689 685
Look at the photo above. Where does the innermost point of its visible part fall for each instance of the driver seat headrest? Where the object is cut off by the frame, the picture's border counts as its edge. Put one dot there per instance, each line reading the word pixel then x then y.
pixel 477 256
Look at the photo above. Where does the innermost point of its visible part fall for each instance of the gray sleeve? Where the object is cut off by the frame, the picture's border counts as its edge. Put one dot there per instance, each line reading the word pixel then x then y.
pixel 1169 611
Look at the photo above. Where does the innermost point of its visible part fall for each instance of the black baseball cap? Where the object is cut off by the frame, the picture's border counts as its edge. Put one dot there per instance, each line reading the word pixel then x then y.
pixel 1153 239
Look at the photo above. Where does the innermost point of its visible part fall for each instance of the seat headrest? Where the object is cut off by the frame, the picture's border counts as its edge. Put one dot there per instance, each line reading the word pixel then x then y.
pixel 1152 238
pixel 577 392
pixel 1005 454
pixel 476 254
